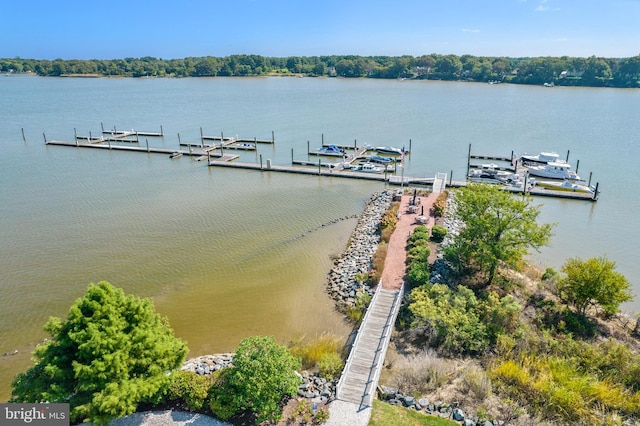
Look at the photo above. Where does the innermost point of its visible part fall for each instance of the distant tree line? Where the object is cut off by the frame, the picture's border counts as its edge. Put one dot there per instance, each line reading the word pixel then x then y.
pixel 564 71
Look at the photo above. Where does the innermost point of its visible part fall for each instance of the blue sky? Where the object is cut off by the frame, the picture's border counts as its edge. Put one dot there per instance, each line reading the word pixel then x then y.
pixel 46 29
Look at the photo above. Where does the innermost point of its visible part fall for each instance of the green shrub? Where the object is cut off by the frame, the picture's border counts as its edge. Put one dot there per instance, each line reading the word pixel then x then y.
pixel 418 254
pixel 453 314
pixel 189 387
pixel 418 274
pixel 322 416
pixel 330 365
pixel 356 313
pixel 438 233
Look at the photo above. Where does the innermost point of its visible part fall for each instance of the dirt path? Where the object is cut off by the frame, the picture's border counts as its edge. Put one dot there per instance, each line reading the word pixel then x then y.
pixel 394 265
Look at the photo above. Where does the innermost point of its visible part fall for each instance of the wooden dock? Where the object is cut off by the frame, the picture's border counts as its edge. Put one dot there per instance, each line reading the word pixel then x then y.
pixel 360 375
pixel 216 157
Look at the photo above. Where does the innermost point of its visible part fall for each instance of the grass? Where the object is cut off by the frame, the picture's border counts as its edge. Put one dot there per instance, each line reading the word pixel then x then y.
pixel 383 414
pixel 311 352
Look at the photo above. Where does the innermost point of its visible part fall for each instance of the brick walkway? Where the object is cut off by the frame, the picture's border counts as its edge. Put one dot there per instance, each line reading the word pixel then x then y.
pixel 395 263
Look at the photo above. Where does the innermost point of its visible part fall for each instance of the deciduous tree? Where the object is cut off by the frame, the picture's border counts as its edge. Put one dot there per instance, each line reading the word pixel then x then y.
pixel 593 283
pixel 500 227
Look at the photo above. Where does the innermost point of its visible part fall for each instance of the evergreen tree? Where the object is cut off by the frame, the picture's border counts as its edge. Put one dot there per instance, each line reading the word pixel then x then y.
pixel 112 352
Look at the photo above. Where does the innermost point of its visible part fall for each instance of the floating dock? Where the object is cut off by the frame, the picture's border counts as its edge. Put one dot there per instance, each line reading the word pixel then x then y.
pixel 216 157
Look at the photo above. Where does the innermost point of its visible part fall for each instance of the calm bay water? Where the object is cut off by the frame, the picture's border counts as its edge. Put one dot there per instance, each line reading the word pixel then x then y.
pixel 226 254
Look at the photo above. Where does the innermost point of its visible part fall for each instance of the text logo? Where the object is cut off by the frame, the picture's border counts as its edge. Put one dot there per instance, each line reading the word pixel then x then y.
pixel 34 414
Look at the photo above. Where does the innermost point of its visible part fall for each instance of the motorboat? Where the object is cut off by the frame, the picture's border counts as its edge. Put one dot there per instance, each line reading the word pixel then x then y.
pixel 175 155
pixel 331 149
pixel 389 150
pixel 542 158
pixel 379 159
pixel 368 168
pixel 488 173
pixel 553 170
pixel 567 185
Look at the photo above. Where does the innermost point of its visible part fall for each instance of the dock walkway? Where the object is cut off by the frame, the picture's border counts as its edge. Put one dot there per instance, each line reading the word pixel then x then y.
pixel 359 379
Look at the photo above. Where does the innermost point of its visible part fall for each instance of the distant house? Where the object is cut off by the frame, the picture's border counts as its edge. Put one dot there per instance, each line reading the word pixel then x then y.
pixel 571 74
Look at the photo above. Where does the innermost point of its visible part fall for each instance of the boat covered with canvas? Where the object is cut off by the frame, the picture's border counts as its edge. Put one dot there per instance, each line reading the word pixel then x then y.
pixel 389 150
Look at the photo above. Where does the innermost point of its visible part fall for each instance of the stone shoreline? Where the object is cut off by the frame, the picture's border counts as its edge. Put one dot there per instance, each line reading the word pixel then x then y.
pixel 313 387
pixel 356 259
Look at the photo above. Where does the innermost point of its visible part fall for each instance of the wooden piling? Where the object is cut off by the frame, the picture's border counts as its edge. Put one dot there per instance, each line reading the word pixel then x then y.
pixel 24 139
pixel 161 131
pixel 273 137
pixel 577 165
pixel 567 159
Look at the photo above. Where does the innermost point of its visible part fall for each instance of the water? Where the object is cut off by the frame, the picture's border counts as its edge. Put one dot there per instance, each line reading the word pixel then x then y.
pixel 226 254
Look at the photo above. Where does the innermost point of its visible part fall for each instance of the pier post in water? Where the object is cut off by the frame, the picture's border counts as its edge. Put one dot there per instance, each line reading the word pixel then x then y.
pixel 201 138
pixel 319 166
pixel 23 138
pixel 308 149
pixel 260 161
pixel 75 136
pixel 577 165
pixel 292 156
pixel 45 138
pixel 161 131
pixel 147 141
pixel 450 177
pixel 273 137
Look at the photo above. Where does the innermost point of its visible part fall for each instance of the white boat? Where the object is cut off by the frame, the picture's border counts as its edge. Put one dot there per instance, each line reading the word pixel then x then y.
pixel 553 170
pixel 175 155
pixel 567 185
pixel 368 168
pixel 389 150
pixel 488 173
pixel 542 158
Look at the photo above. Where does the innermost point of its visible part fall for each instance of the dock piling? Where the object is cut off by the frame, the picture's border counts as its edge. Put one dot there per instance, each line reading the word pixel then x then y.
pixel 102 126
pixel 23 138
pixel 292 156
pixel 147 141
pixel 577 165
pixel 567 159
pixel 260 161
pixel 450 177
pixel 308 149
pixel 75 136
pixel 161 131
pixel 45 138
pixel 201 137
pixel 273 137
